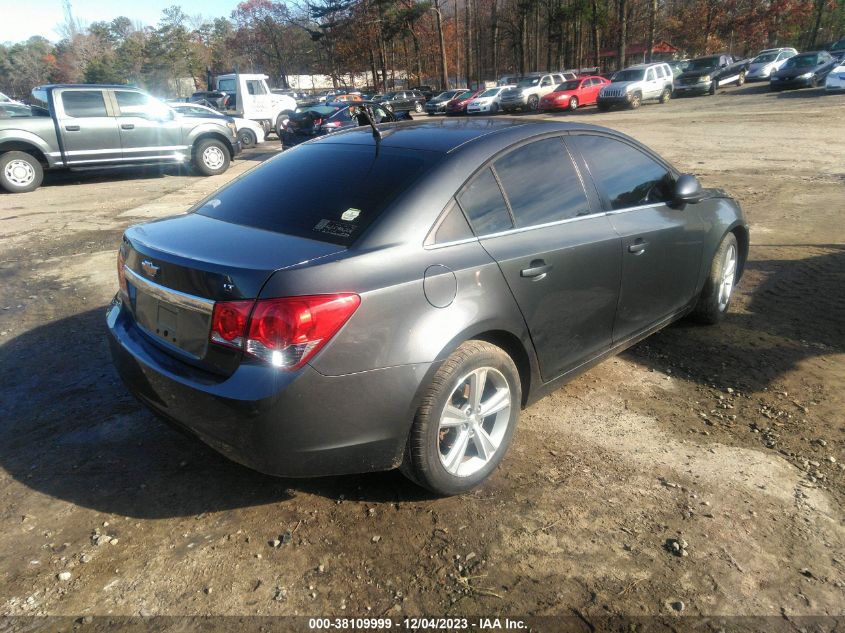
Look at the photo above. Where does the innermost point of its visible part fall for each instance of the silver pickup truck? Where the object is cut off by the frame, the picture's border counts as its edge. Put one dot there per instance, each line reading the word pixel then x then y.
pixel 94 126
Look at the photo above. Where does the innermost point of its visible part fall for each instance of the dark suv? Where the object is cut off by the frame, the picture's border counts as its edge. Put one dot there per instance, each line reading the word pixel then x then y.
pixel 404 100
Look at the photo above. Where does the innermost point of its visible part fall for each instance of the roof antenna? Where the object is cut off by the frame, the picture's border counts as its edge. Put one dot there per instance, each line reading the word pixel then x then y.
pixel 376 131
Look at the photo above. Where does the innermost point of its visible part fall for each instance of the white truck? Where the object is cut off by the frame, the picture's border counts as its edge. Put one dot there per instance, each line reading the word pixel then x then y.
pixel 253 100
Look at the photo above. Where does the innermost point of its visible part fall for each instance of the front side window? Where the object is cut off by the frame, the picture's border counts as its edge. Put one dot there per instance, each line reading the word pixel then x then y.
pixel 484 205
pixel 138 104
pixel 541 183
pixel 627 176
pixel 255 87
pixel 84 103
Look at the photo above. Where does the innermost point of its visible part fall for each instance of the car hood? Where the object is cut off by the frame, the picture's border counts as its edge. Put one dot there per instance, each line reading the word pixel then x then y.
pixel 791 73
pixel 761 66
pixel 622 85
pixel 560 93
pixel 695 74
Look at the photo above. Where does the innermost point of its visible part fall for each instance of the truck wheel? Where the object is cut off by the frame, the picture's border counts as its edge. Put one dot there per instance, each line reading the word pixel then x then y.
pixel 211 157
pixel 247 138
pixel 20 172
pixel 666 95
pixel 533 103
pixel 279 127
pixel 741 79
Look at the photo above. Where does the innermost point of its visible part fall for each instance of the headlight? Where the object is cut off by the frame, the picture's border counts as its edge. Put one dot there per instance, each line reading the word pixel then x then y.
pixel 704 78
pixel 805 76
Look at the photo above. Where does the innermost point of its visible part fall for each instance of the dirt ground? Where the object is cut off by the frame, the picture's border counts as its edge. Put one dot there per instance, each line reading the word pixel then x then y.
pixel 730 439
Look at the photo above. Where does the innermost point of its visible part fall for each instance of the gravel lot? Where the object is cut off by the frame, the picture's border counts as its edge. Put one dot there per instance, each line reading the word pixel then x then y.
pixel 728 440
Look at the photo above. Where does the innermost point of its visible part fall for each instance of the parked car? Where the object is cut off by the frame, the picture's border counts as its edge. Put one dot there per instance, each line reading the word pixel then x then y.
pixel 705 75
pixel 348 97
pixel 403 100
pixel 307 123
pixel 488 102
pixel 530 89
pixel 438 104
pixel 7 99
pixel 806 70
pixel 427 91
pixel 835 81
pixel 839 55
pixel 370 301
pixel 13 109
pixel 572 94
pixel 633 85
pixel 249 132
pixel 458 105
pixel 761 67
pixel 837 47
pixel 81 126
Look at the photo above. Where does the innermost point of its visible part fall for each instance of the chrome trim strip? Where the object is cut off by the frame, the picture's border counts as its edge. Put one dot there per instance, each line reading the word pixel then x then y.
pixel 653 205
pixel 162 293
pixel 542 226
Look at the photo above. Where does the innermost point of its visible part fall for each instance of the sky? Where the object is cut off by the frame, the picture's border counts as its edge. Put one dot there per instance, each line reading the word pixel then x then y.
pixel 21 19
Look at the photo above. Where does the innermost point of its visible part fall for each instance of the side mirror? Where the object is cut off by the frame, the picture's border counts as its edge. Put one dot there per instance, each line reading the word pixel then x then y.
pixel 688 189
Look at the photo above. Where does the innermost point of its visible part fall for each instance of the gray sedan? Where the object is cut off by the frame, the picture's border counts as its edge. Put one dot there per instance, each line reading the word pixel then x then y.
pixel 394 297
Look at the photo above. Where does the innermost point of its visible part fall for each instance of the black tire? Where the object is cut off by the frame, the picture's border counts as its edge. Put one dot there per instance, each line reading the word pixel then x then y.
pixel 814 82
pixel 211 157
pixel 418 107
pixel 247 138
pixel 533 103
pixel 714 86
pixel 279 120
pixel 494 109
pixel 573 104
pixel 422 462
pixel 25 173
pixel 709 309
pixel 741 79
pixel 636 101
pixel 666 95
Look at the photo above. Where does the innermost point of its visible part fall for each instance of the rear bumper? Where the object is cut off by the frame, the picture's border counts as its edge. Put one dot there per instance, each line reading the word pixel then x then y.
pixel 293 424
pixel 790 83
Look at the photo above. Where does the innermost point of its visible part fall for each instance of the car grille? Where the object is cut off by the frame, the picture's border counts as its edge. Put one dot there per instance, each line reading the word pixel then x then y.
pixel 689 81
pixel 612 92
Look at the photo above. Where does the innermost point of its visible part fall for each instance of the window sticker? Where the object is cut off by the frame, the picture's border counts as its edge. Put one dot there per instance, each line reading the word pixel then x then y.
pixel 332 227
pixel 350 214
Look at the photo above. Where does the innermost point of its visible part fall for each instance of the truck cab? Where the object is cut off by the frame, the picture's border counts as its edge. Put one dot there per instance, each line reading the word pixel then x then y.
pixel 254 100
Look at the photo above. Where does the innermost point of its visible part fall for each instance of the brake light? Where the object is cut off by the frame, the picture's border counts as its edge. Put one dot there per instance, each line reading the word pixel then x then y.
pixel 121 273
pixel 284 332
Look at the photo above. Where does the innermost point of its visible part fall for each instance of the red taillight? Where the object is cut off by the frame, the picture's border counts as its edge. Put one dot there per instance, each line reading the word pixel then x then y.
pixel 121 274
pixel 283 332
pixel 228 322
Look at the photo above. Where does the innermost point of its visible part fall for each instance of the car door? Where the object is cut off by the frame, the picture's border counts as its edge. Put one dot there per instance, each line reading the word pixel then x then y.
pixel 591 91
pixel 653 87
pixel 87 127
pixel 555 247
pixel 148 129
pixel 661 243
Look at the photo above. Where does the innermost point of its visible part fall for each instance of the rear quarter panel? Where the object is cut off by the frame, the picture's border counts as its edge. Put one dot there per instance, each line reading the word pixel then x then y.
pixel 39 132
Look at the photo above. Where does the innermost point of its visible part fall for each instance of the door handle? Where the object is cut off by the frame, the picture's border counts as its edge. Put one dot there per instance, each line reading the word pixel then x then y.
pixel 127 126
pixel 638 247
pixel 72 128
pixel 536 271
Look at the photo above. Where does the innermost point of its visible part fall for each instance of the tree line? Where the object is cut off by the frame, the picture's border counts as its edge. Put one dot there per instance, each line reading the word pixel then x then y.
pixel 439 42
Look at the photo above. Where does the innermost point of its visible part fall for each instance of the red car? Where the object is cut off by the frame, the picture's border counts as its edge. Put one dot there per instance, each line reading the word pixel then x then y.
pixel 570 95
pixel 458 105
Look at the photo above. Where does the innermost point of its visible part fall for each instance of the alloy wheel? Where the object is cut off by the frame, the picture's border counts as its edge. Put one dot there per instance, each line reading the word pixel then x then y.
pixel 474 421
pixel 728 277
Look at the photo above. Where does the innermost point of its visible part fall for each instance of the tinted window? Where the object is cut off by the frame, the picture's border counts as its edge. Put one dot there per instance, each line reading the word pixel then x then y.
pixel 454 227
pixel 629 75
pixel 484 205
pixel 82 103
pixel 281 196
pixel 541 183
pixel 626 175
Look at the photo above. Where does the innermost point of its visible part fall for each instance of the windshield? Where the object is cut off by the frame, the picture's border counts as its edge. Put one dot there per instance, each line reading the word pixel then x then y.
pixel 629 75
pixel 839 46
pixel 801 61
pixel 568 85
pixel 319 110
pixel 705 63
pixel 280 195
pixel 765 58
pixel 527 82
pixel 490 93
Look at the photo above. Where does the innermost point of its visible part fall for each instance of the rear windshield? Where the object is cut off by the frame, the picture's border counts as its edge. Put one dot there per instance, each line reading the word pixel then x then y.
pixel 326 191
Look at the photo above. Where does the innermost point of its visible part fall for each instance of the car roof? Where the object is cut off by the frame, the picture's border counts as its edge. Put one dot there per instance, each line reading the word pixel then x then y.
pixel 446 135
pixel 639 66
pixel 88 86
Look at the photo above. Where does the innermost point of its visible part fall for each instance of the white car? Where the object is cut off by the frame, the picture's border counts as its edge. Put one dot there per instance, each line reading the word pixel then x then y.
pixel 835 81
pixel 489 101
pixel 767 62
pixel 6 99
pixel 249 132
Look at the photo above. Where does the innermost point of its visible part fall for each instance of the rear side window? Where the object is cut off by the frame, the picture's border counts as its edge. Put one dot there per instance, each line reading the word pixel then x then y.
pixel 454 227
pixel 484 205
pixel 84 103
pixel 327 192
pixel 541 183
pixel 627 176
